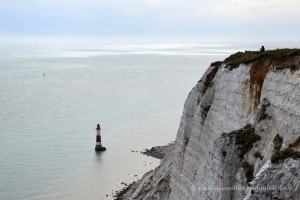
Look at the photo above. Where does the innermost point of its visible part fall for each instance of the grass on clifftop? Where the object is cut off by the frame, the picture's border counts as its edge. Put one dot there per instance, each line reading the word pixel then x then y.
pixel 238 58
pixel 247 57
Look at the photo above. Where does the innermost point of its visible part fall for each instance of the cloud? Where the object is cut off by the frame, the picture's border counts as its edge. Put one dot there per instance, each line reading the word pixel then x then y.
pixel 148 17
pixel 176 9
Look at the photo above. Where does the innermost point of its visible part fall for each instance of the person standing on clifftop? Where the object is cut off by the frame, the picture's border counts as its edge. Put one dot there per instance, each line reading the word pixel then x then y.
pixel 262 49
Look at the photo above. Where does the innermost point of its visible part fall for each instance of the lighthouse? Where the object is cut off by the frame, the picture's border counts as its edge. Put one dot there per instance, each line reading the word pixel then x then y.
pixel 99 146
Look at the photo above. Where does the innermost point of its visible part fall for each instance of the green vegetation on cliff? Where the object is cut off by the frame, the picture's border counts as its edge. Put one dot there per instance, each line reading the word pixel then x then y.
pixel 244 137
pixel 249 170
pixel 277 142
pixel 290 152
pixel 247 57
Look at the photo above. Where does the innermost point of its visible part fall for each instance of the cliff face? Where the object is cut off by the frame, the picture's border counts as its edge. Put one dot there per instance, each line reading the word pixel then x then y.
pixel 235 121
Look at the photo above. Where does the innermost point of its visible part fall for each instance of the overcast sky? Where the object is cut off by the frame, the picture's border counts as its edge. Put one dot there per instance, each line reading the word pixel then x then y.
pixel 206 20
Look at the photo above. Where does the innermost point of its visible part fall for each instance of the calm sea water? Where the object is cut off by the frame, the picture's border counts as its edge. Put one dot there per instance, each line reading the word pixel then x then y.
pixel 47 123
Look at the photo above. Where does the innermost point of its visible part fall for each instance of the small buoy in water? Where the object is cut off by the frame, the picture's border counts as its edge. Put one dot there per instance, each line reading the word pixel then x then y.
pixel 43 73
pixel 99 146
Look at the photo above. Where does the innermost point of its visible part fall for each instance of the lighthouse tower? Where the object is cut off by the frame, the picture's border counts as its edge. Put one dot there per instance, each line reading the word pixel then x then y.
pixel 98 146
pixel 98 138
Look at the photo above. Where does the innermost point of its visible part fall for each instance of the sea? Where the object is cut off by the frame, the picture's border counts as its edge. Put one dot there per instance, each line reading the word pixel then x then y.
pixel 53 95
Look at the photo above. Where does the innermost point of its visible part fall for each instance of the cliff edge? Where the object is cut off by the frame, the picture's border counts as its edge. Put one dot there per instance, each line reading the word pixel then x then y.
pixel 239 134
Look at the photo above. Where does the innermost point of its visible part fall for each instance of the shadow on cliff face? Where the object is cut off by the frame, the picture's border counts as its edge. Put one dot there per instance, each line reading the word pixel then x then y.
pixel 210 77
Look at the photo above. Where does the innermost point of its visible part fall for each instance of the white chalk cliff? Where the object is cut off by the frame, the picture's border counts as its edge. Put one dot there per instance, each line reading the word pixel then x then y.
pixel 227 136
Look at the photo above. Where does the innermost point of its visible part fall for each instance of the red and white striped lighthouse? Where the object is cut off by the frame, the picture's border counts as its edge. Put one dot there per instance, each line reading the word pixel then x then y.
pixel 98 139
